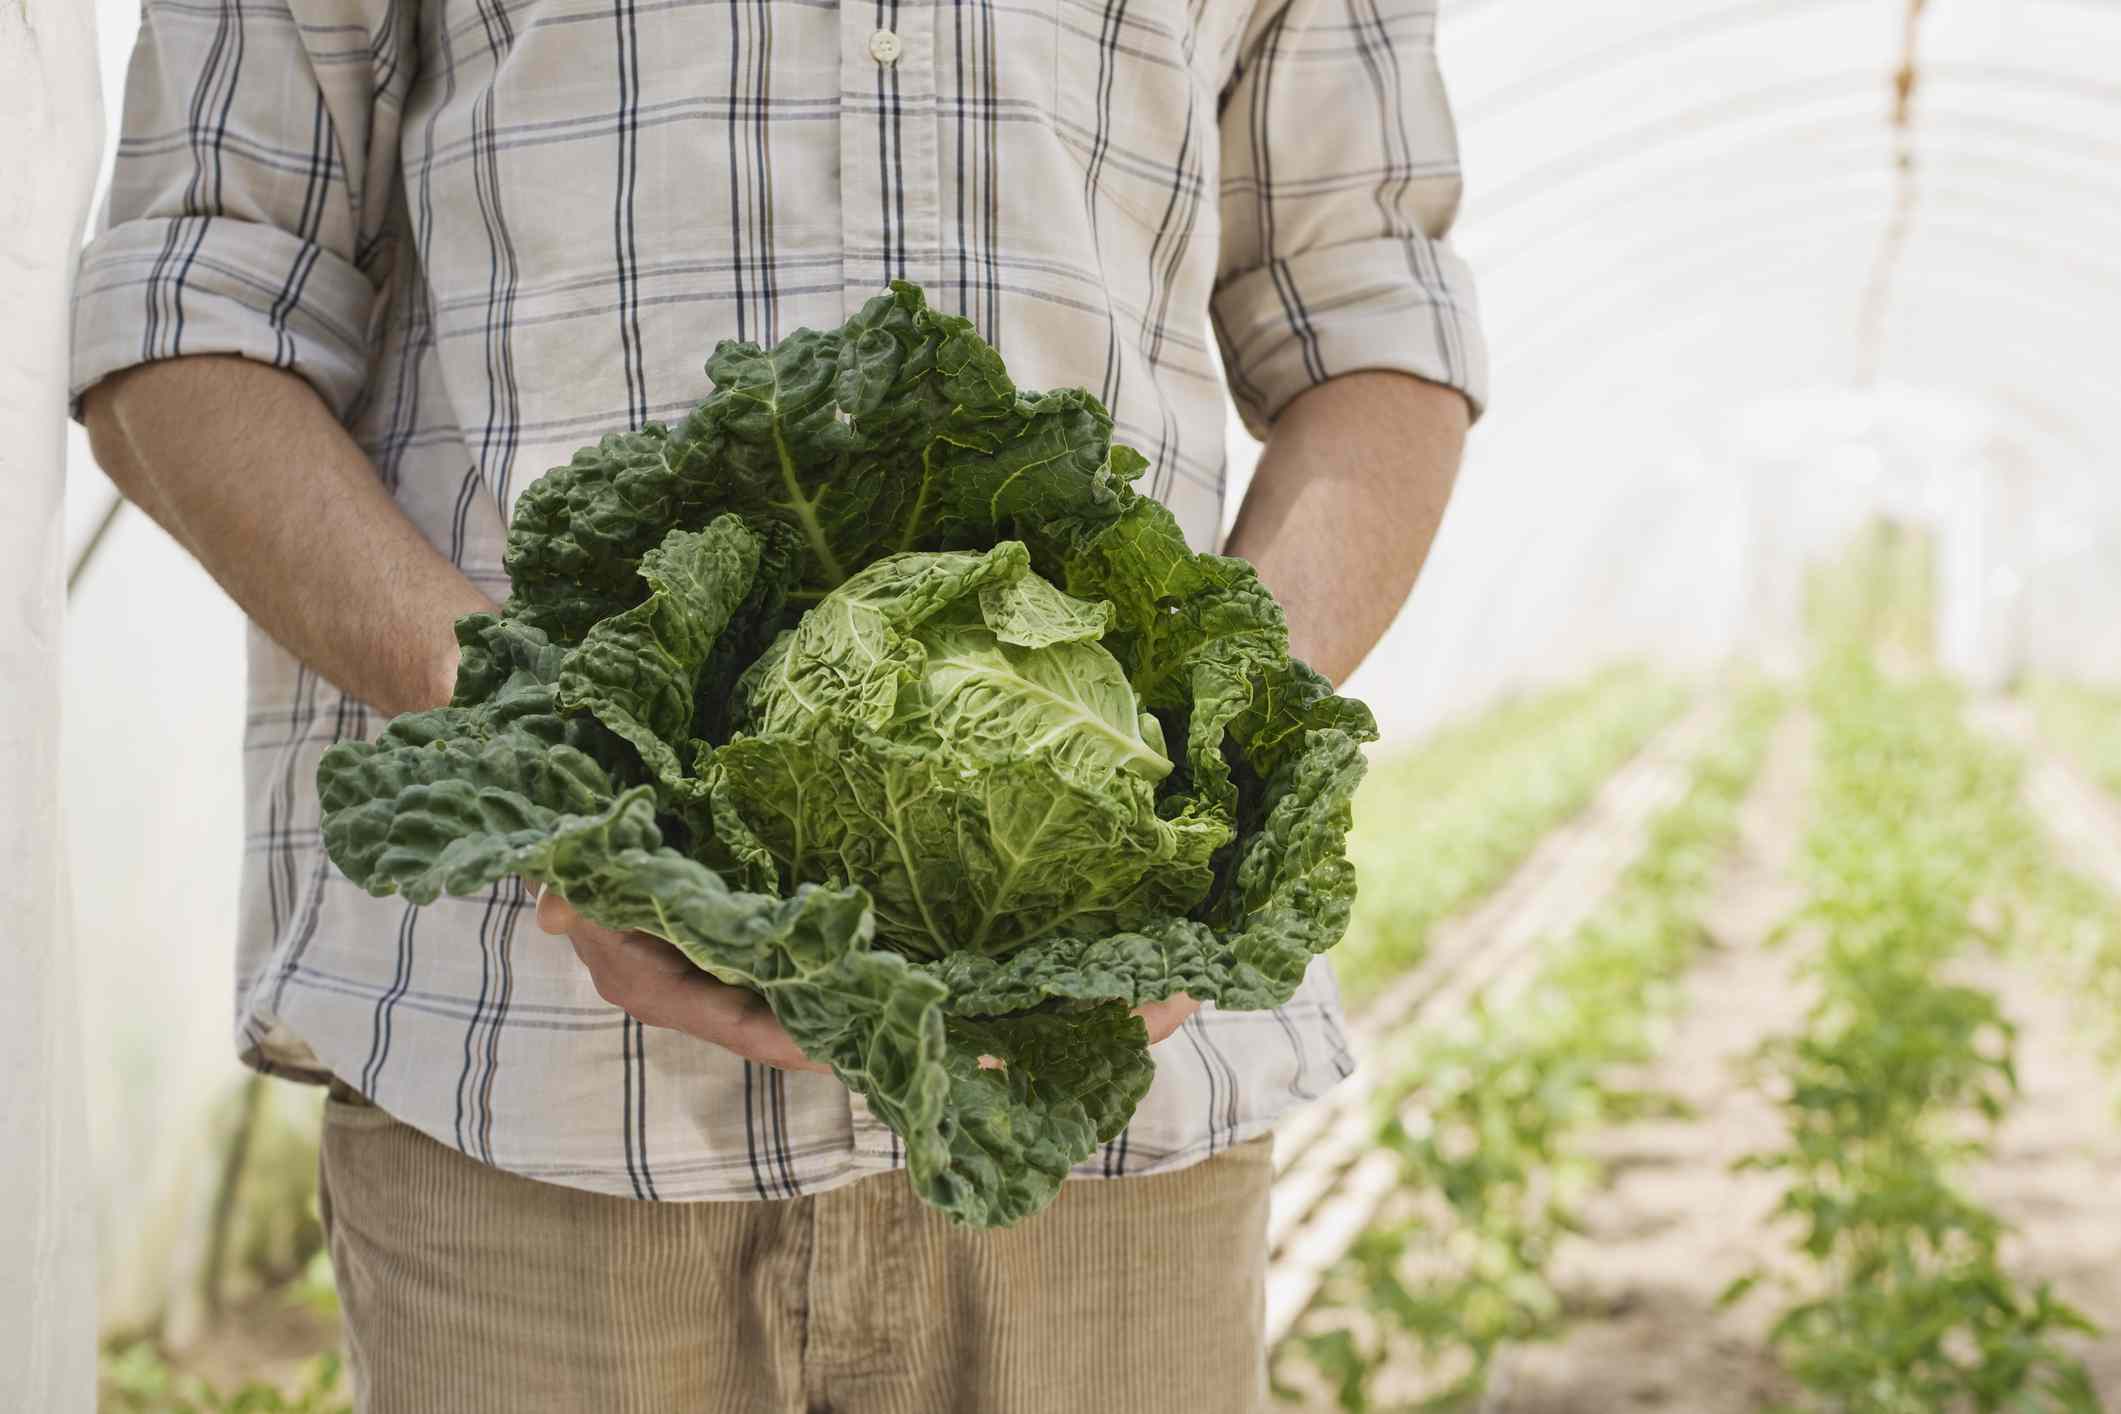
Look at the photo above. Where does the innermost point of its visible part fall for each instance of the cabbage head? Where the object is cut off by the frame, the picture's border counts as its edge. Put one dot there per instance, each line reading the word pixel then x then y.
pixel 947 729
pixel 875 687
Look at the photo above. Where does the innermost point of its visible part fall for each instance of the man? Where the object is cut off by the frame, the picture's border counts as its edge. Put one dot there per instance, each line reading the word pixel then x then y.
pixel 369 266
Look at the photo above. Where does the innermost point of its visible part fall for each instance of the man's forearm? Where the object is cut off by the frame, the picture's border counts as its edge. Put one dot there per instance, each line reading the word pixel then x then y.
pixel 1350 489
pixel 247 468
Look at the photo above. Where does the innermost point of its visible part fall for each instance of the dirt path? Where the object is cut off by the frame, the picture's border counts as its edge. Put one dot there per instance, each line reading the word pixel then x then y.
pixel 1675 1225
pixel 2055 1174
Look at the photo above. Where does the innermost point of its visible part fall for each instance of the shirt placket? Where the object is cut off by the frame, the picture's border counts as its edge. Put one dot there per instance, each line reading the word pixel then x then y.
pixel 891 183
pixel 891 220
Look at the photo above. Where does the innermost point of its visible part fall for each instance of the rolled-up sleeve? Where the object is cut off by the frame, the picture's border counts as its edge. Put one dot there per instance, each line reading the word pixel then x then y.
pixel 1340 179
pixel 249 201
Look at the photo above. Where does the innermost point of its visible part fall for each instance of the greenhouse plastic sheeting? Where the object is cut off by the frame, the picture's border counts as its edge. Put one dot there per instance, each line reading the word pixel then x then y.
pixel 1728 324
pixel 1678 213
pixel 47 1306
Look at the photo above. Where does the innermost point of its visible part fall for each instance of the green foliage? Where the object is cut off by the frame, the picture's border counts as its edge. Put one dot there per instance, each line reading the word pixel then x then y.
pixel 316 1288
pixel 1881 592
pixel 2057 914
pixel 137 1380
pixel 948 729
pixel 265 1228
pixel 2083 721
pixel 1887 1088
pixel 1490 1115
pixel 876 688
pixel 1438 827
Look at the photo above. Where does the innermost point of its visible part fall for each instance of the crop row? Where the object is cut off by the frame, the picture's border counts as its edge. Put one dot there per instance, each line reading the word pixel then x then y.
pixel 2072 922
pixel 1490 1117
pixel 1441 826
pixel 2086 723
pixel 1918 849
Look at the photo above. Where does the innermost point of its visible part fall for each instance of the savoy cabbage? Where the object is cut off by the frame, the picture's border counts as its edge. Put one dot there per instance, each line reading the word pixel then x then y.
pixel 875 687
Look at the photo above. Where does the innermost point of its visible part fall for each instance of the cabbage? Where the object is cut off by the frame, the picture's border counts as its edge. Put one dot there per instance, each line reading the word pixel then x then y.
pixel 946 729
pixel 875 687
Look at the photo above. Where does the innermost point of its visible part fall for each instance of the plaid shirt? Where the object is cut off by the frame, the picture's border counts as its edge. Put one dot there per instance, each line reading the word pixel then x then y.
pixel 489 231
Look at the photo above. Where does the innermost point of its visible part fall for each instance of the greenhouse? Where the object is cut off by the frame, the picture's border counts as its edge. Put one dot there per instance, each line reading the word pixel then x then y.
pixel 1728 1014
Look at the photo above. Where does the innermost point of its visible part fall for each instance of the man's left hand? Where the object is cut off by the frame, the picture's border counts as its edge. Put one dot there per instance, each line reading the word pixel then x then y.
pixel 1166 1016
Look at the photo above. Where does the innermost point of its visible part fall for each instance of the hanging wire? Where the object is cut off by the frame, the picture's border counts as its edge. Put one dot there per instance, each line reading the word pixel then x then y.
pixel 1878 292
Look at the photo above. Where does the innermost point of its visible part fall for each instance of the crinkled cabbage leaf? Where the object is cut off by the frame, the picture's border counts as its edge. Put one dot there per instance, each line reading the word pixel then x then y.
pixel 874 686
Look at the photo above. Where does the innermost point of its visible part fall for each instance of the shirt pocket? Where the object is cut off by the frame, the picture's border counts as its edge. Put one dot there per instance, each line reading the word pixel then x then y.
pixel 1134 114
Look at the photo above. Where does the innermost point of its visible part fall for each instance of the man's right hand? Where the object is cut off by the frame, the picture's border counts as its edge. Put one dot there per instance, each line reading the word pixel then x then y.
pixel 657 985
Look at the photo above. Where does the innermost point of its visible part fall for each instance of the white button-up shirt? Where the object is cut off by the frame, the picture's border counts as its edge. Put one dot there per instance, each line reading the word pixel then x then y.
pixel 489 231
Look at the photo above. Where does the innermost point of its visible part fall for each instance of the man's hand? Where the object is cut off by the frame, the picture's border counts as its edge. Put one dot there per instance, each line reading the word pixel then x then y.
pixel 1165 1017
pixel 654 983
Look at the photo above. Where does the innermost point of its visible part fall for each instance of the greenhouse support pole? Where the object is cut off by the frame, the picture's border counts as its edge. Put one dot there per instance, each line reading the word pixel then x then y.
pixel 51 109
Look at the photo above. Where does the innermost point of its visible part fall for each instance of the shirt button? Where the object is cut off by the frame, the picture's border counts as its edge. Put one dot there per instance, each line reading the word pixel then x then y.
pixel 883 46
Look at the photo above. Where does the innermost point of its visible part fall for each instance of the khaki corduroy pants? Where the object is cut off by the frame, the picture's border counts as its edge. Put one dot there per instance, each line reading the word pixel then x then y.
pixel 468 1290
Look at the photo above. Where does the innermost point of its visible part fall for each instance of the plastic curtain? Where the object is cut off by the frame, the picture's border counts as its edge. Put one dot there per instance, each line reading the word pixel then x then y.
pixel 52 112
